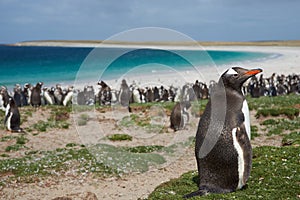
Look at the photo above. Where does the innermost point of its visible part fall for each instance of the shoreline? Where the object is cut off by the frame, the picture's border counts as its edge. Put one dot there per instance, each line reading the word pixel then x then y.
pixel 182 44
pixel 286 61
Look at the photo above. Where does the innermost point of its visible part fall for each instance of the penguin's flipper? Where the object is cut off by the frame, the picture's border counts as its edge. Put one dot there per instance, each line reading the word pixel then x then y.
pixel 6 118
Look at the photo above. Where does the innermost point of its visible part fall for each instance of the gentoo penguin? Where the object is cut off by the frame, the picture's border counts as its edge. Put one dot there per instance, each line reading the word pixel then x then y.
pixel 197 90
pixel 223 150
pixel 156 94
pixel 124 96
pixel 12 117
pixel 26 94
pixel 5 96
pixel 58 94
pixel 35 98
pixel 47 96
pixel 179 115
pixel 17 95
pixel 68 96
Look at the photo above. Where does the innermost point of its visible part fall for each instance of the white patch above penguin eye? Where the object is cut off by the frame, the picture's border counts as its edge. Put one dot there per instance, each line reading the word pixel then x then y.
pixel 231 72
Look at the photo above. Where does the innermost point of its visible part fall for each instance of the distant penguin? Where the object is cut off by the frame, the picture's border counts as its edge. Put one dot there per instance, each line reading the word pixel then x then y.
pixel 197 89
pixel 156 94
pixel 27 94
pixel 124 96
pixel 35 98
pixel 58 95
pixel 12 117
pixel 47 96
pixel 68 96
pixel 223 150
pixel 17 95
pixel 81 98
pixel 5 96
pixel 179 115
pixel 149 95
pixel 204 92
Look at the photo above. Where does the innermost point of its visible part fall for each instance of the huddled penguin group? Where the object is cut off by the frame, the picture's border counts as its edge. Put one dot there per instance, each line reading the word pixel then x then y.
pixel 222 148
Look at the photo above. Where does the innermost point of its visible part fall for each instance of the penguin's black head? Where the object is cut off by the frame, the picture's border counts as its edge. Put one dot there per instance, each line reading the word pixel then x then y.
pixel 236 76
pixel 11 102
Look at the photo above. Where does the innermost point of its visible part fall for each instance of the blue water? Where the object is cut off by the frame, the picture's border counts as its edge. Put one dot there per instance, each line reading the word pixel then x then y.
pixel 61 64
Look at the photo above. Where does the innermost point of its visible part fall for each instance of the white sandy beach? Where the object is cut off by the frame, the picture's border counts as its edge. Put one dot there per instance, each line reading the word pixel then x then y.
pixel 285 60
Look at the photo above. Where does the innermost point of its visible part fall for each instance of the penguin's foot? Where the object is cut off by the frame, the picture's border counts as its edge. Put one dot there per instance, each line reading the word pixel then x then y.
pixel 204 190
pixel 18 130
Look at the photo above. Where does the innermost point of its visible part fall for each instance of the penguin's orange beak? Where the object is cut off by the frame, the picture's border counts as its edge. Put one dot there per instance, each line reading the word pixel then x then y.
pixel 253 72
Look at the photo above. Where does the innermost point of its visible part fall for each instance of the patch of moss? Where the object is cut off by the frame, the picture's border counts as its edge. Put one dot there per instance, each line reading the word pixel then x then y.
pixel 289 112
pixel 7 138
pixel 123 161
pixel 291 139
pixel 21 140
pixel 71 145
pixel 287 101
pixel 269 122
pixel 14 147
pixel 144 149
pixel 51 163
pixel 254 132
pixel 278 126
pixel 119 137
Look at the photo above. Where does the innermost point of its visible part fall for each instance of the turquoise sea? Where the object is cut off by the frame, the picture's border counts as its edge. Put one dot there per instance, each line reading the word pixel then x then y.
pixel 51 65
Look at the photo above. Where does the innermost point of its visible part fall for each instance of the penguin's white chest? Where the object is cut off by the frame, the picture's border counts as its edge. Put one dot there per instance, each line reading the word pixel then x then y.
pixel 245 110
pixel 241 162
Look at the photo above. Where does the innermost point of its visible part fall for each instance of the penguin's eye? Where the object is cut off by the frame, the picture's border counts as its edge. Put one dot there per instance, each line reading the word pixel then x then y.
pixel 235 75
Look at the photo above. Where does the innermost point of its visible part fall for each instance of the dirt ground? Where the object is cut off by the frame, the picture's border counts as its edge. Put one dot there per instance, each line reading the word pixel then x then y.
pixel 129 186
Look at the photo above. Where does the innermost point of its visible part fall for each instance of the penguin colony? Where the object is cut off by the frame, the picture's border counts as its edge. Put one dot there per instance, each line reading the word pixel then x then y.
pixel 39 95
pixel 222 148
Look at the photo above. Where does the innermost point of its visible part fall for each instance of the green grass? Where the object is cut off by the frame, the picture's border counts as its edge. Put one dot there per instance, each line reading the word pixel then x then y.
pixel 51 163
pixel 275 175
pixel 21 140
pixel 275 106
pixel 254 132
pixel 289 112
pixel 291 139
pixel 14 147
pixel 144 149
pixel 123 161
pixel 287 101
pixel 136 120
pixel 7 138
pixel 278 126
pixel 119 137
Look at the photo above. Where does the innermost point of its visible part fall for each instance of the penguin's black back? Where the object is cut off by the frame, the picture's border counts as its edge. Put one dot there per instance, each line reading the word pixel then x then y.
pixel 36 99
pixel 175 117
